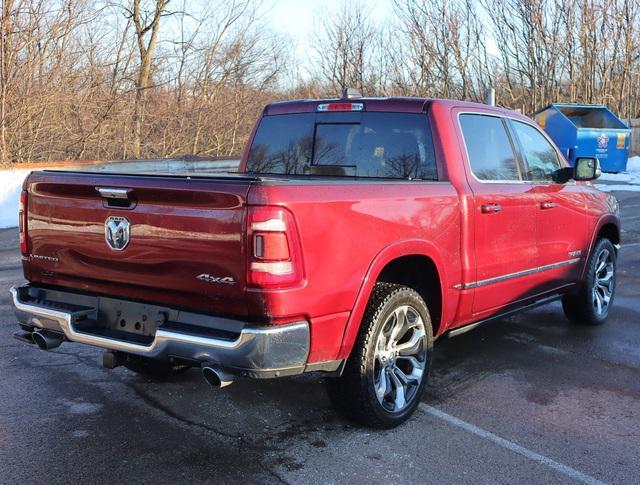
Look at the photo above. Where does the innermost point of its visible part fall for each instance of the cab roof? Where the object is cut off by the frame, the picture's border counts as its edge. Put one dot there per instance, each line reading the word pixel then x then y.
pixel 391 104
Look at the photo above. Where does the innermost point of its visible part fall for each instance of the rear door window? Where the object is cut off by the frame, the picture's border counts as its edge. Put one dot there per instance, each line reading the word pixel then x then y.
pixel 377 145
pixel 491 153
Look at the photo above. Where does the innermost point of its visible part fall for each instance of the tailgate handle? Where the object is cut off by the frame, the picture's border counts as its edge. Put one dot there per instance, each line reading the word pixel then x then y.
pixel 111 193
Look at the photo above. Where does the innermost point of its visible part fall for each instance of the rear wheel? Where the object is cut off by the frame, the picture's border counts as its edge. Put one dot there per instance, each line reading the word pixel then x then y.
pixel 386 373
pixel 590 304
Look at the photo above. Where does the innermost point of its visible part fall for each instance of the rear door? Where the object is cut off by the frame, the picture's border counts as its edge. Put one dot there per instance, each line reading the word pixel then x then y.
pixel 561 224
pixel 504 215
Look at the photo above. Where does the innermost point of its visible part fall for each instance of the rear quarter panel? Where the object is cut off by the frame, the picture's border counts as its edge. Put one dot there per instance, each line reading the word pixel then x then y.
pixel 349 231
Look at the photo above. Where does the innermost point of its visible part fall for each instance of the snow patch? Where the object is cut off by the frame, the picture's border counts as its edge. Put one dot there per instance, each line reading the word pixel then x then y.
pixel 10 187
pixel 633 165
pixel 630 179
pixel 617 188
pixel 631 176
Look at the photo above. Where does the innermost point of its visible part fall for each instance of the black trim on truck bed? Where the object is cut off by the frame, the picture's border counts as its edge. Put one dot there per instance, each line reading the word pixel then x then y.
pixel 231 177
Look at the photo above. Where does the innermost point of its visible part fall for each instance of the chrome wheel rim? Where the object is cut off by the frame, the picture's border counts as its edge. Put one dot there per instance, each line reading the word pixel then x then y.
pixel 400 359
pixel 603 282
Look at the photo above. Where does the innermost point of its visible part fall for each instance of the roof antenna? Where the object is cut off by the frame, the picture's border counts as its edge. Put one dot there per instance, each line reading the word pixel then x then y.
pixel 348 93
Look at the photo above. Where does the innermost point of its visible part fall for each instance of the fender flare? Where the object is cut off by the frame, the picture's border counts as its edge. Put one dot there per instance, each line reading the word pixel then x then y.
pixel 409 247
pixel 605 219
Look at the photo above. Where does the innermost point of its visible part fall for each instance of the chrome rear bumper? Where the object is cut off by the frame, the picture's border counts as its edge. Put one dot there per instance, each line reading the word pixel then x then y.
pixel 268 351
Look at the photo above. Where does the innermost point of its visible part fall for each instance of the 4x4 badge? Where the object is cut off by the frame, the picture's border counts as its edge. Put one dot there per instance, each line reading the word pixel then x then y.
pixel 224 280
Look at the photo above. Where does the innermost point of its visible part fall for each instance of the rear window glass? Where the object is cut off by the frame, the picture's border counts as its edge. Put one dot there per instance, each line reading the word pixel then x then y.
pixel 381 145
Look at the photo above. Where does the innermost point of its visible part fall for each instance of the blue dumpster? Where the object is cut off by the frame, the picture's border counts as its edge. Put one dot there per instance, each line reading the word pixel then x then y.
pixel 587 130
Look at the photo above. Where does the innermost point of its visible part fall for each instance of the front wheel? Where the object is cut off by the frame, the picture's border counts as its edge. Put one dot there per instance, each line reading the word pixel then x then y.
pixel 590 304
pixel 387 371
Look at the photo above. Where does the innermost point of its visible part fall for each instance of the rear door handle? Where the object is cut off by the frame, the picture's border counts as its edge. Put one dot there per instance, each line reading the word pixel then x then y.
pixel 547 204
pixel 490 208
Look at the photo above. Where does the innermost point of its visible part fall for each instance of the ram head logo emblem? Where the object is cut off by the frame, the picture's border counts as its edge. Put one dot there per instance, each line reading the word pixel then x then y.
pixel 117 232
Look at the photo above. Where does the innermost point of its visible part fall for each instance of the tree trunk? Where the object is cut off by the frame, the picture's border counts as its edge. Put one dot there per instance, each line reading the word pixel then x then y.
pixel 5 49
pixel 146 50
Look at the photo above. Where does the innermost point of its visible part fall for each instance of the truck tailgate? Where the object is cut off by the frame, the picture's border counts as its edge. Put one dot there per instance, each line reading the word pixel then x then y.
pixel 185 244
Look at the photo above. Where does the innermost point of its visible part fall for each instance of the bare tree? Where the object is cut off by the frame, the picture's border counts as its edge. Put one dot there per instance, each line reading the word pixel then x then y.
pixel 345 48
pixel 147 25
pixel 80 80
pixel 6 51
pixel 442 49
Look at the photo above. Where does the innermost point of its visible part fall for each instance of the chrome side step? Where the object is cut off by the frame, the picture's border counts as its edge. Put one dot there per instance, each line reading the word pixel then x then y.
pixel 460 330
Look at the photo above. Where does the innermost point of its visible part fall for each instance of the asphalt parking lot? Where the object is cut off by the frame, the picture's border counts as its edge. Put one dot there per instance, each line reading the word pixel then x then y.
pixel 528 399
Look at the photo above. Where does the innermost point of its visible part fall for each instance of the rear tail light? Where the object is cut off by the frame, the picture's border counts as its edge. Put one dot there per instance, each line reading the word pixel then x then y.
pixel 22 223
pixel 274 252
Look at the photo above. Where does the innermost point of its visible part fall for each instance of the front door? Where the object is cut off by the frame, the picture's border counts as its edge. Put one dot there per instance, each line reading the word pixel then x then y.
pixel 561 223
pixel 504 215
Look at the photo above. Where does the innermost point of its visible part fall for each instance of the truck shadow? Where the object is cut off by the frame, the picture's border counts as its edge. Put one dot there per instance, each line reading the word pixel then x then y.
pixel 519 345
pixel 502 345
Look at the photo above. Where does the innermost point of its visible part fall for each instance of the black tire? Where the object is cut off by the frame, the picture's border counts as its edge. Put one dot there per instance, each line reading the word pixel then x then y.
pixel 354 392
pixel 580 306
pixel 152 368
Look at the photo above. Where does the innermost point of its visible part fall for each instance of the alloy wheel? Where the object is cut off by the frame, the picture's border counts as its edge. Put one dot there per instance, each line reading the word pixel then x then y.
pixel 603 282
pixel 400 359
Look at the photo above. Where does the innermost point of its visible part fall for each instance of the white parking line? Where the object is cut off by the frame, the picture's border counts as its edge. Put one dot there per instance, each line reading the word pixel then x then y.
pixel 509 445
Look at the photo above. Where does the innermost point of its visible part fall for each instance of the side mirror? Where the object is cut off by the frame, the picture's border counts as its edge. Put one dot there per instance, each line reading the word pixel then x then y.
pixel 586 169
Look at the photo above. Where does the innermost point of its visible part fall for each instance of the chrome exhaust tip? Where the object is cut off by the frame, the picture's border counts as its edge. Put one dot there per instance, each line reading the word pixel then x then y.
pixel 216 377
pixel 46 340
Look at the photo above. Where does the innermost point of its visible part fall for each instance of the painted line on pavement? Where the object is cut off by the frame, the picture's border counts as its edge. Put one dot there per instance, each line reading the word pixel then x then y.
pixel 510 445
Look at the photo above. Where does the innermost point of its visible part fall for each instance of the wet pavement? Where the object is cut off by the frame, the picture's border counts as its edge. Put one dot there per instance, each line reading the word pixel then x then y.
pixel 528 399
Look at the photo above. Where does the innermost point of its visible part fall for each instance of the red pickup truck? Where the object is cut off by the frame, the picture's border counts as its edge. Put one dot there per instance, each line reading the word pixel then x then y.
pixel 358 231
